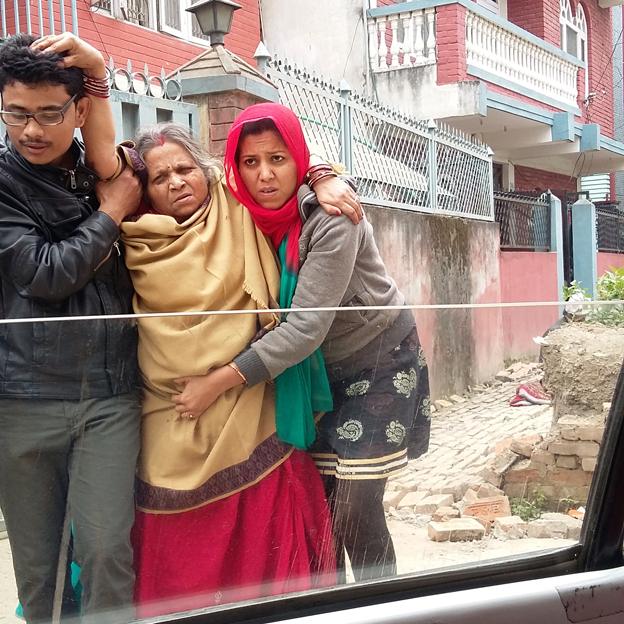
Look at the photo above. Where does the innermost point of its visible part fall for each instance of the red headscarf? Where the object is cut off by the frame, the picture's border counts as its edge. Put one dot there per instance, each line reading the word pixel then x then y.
pixel 274 223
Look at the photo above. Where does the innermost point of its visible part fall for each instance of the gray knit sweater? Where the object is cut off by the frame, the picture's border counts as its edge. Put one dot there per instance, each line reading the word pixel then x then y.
pixel 340 265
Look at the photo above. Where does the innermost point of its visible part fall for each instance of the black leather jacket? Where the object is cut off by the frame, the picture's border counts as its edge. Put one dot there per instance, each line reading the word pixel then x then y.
pixel 59 257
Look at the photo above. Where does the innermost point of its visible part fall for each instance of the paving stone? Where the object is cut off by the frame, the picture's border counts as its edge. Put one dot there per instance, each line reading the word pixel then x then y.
pixel 441 404
pixel 509 527
pixel 456 530
pixel 429 504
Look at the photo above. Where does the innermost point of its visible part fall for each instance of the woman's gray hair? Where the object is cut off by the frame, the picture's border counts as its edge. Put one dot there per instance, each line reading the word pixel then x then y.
pixel 154 136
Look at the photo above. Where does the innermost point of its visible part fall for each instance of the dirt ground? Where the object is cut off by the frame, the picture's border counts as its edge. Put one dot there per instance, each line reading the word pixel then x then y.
pixel 581 366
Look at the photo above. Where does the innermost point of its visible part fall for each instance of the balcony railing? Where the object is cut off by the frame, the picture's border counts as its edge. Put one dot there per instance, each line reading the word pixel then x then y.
pixel 495 51
pixel 506 55
pixel 402 40
pixel 40 17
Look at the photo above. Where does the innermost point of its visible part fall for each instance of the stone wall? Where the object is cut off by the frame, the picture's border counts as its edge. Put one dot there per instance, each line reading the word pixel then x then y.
pixel 442 260
pixel 581 366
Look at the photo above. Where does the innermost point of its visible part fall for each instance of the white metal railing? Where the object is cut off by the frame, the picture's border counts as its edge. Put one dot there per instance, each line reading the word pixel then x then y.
pixel 397 161
pixel 507 55
pixel 402 40
pixel 38 17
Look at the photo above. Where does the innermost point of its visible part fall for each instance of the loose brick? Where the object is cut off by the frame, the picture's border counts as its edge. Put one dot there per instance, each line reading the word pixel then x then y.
pixel 442 514
pixel 509 527
pixel 487 509
pixel 525 445
pixel 456 530
pixel 410 499
pixel 392 498
pixel 548 528
pixel 487 490
pixel 573 525
pixel 429 504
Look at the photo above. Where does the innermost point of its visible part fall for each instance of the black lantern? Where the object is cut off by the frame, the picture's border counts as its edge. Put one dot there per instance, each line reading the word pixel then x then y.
pixel 214 17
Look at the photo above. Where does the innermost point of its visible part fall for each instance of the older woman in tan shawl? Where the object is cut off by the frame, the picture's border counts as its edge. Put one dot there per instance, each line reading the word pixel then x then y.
pixel 226 511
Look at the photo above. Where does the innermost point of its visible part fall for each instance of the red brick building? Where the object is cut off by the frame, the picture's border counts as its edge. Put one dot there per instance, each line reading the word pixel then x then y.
pixel 533 79
pixel 159 33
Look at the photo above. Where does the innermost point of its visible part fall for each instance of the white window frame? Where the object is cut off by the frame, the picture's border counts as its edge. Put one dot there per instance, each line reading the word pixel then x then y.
pixel 499 7
pixel 117 7
pixel 577 23
pixel 186 20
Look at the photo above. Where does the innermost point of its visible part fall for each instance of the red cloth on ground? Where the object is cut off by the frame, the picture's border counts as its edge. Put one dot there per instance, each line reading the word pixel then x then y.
pixel 272 538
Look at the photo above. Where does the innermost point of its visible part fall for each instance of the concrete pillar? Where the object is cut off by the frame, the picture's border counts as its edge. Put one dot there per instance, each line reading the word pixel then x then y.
pixel 584 245
pixel 221 85
pixel 556 243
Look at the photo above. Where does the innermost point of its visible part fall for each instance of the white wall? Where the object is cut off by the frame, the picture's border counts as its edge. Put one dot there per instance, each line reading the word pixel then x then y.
pixel 327 36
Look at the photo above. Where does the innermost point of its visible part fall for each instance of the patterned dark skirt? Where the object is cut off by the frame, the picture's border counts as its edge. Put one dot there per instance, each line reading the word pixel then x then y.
pixel 381 417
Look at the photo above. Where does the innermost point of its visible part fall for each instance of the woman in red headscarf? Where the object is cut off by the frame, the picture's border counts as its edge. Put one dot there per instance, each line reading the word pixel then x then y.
pixel 372 358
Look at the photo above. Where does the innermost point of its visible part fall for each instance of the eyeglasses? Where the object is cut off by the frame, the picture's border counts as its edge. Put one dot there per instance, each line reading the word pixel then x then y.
pixel 43 118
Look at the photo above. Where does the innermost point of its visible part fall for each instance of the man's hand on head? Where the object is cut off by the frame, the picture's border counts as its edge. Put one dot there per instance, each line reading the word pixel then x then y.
pixel 75 51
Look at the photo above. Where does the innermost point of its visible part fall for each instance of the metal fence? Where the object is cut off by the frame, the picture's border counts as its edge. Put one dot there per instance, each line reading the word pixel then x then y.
pixel 524 221
pixel 609 227
pixel 39 17
pixel 397 161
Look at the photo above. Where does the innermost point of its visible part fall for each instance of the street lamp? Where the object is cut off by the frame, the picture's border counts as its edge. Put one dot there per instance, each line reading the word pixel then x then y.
pixel 214 17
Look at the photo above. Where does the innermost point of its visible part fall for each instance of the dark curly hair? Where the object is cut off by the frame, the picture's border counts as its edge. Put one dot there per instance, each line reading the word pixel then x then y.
pixel 20 63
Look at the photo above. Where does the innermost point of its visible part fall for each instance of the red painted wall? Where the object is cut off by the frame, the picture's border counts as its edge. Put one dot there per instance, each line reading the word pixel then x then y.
pixel 541 18
pixel 451 43
pixel 528 179
pixel 608 261
pixel 600 108
pixel 527 276
pixel 125 41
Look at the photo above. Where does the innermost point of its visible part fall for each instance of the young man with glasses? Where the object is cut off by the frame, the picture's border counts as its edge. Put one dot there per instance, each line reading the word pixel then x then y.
pixel 69 400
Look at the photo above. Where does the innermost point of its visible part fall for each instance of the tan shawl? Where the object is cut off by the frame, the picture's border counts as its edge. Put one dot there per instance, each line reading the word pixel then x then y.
pixel 215 260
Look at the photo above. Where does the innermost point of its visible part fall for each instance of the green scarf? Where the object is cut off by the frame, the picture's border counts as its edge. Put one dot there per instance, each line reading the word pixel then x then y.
pixel 302 389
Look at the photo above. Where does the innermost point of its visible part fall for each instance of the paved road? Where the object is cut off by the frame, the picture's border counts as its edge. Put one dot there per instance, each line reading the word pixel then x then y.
pixel 462 438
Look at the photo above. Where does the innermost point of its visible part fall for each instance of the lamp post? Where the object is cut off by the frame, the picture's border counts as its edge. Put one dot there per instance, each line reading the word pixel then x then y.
pixel 214 17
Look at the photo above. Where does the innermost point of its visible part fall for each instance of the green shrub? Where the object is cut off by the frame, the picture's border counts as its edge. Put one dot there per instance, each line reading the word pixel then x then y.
pixel 610 287
pixel 529 508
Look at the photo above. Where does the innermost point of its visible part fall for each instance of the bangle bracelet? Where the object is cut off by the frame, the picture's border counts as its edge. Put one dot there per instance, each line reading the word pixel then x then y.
pixel 316 169
pixel 320 176
pixel 237 371
pixel 97 87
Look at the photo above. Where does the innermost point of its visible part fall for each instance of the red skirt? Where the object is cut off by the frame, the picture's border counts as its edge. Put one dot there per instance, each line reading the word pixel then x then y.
pixel 271 538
